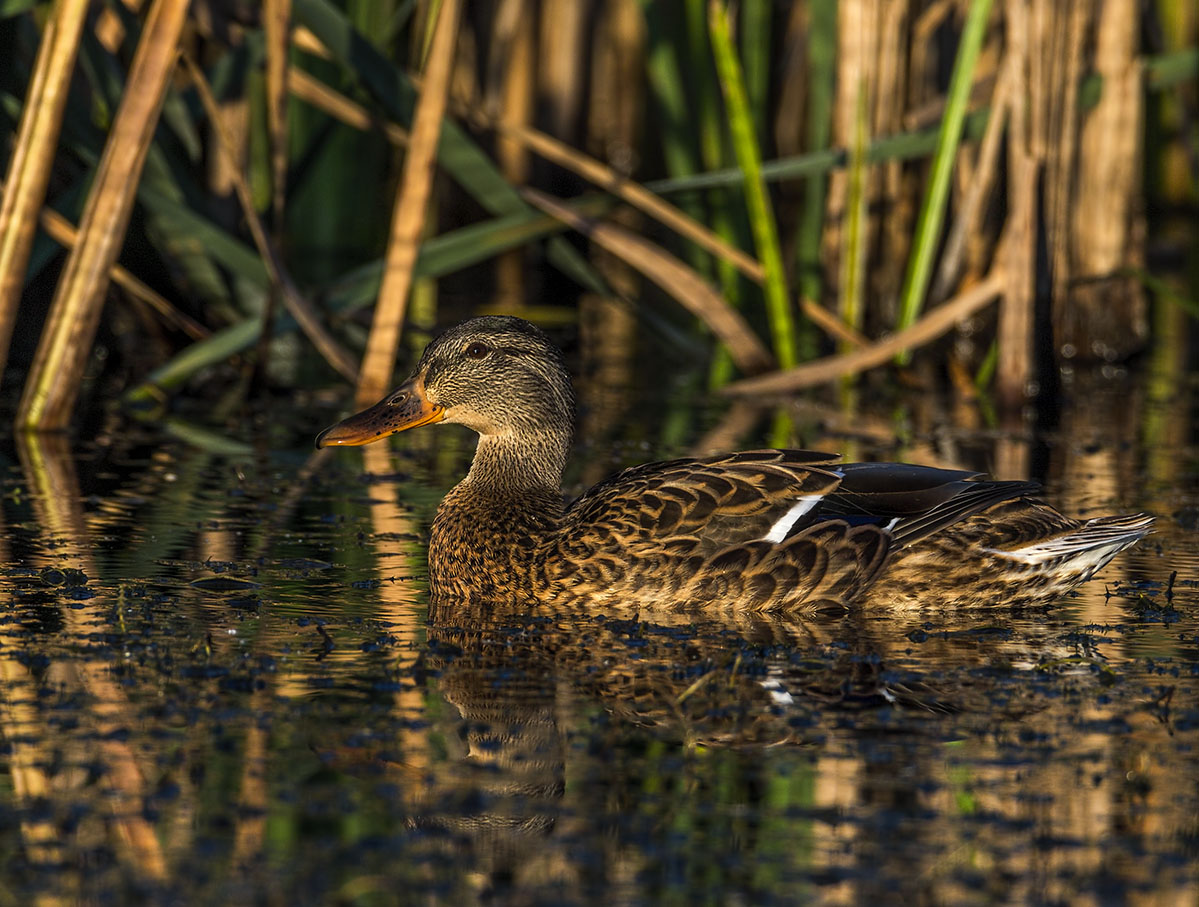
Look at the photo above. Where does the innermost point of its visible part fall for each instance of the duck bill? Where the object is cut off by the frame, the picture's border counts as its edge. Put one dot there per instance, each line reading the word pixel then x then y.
pixel 406 407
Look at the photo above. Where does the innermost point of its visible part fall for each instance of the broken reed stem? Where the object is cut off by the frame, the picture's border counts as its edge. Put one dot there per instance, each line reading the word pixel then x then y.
pixel 680 281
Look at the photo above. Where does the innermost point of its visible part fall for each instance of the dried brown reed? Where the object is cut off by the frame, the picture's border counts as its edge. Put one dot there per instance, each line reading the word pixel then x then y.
pixel 53 383
pixel 411 208
pixel 559 88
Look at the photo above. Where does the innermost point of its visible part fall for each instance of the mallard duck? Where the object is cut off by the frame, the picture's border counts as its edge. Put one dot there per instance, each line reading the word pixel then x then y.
pixel 762 530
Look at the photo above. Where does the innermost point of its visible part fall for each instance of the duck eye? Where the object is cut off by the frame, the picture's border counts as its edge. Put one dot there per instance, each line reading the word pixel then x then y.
pixel 477 351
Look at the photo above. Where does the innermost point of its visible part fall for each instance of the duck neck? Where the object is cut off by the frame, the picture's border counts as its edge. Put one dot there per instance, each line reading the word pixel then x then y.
pixel 505 466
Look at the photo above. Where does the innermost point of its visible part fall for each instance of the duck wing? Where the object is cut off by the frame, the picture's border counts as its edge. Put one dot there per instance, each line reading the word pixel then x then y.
pixel 716 501
pixel 914 502
pixel 738 529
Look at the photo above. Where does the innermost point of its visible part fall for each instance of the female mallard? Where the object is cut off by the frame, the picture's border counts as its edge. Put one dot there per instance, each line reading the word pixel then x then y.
pixel 759 530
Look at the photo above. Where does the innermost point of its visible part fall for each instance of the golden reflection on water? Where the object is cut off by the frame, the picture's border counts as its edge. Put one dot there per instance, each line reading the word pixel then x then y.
pixel 253 692
pixel 54 491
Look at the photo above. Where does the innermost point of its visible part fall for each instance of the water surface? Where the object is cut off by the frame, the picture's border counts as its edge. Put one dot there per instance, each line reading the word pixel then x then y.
pixel 221 683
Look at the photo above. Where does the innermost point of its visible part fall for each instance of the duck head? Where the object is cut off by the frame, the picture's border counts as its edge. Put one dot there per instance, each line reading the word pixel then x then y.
pixel 497 375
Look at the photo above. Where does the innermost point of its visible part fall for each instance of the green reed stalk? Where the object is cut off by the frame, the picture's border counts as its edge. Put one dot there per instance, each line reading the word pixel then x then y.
pixel 822 44
pixel 932 212
pixel 714 155
pixel 853 255
pixel 761 217
pixel 754 38
pixel 986 370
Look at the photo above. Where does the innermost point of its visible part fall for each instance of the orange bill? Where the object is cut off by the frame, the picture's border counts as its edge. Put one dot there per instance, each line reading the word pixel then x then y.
pixel 405 407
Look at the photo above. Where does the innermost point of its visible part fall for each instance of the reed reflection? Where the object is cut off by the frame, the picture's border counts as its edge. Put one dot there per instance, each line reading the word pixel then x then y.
pixel 68 770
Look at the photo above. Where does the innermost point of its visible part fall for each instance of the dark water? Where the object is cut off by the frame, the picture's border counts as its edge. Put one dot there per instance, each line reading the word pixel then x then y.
pixel 221 684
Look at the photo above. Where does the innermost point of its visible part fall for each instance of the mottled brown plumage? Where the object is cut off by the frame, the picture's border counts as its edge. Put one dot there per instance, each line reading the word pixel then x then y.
pixel 766 530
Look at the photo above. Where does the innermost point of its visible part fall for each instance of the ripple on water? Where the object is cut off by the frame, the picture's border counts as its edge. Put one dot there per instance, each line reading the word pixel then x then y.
pixel 220 678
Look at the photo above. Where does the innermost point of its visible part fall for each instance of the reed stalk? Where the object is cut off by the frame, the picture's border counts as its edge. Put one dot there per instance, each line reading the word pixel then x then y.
pixel 1017 252
pixel 932 211
pixel 854 236
pixel 281 281
pixel 761 214
pixel 821 42
pixel 53 383
pixel 33 154
pixel 276 21
pixel 276 15
pixel 1107 234
pixel 511 84
pixel 411 208
pixel 687 287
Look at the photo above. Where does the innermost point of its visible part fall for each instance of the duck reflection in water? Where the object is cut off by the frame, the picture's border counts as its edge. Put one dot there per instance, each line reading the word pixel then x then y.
pixel 762 531
pixel 526 692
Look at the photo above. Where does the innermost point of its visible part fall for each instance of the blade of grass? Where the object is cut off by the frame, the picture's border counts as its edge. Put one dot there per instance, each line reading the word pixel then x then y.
pixel 222 345
pixel 900 147
pixel 32 156
pixel 932 212
pixel 54 378
pixel 761 216
pixel 971 207
pixel 65 234
pixel 684 92
pixel 674 277
pixel 411 208
pixel 442 255
pixel 669 89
